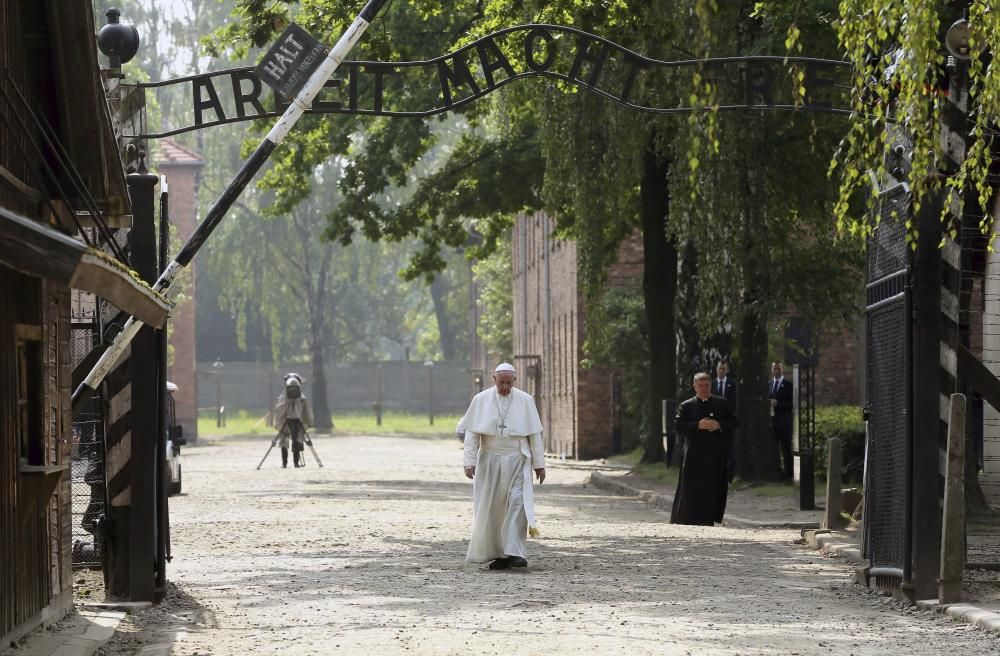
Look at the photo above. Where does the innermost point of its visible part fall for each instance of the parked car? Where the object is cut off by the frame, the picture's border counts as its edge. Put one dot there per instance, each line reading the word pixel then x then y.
pixel 175 440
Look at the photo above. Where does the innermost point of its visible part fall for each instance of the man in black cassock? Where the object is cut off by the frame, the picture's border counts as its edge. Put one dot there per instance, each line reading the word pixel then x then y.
pixel 706 422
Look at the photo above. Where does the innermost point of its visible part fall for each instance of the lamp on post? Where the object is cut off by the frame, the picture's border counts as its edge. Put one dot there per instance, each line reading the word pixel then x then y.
pixel 430 387
pixel 956 39
pixel 119 42
pixel 377 406
pixel 220 417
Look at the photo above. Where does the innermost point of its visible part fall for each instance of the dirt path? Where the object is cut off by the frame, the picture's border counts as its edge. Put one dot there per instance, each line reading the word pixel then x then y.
pixel 367 556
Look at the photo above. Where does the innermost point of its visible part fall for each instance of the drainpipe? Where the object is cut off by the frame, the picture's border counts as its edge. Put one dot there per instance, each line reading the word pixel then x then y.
pixel 525 256
pixel 547 350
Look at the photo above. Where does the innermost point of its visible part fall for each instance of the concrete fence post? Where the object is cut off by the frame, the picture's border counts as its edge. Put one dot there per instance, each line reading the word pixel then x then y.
pixel 953 521
pixel 832 518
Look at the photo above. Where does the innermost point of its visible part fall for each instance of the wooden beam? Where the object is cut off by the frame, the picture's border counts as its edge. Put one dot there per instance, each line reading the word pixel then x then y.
pixel 37 250
pixel 95 274
pixel 973 371
pixel 19 185
pixel 28 332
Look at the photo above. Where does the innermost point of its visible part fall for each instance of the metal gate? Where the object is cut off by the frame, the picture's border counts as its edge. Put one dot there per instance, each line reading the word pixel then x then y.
pixel 87 486
pixel 886 524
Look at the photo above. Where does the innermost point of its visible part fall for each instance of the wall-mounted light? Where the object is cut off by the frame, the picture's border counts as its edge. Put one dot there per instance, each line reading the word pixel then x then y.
pixel 118 41
pixel 956 39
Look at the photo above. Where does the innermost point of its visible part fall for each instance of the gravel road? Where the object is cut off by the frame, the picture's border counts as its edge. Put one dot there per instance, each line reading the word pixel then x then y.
pixel 367 554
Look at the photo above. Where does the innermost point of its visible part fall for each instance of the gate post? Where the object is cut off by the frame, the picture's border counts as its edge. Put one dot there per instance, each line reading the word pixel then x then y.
pixel 805 430
pixel 832 519
pixel 141 546
pixel 953 521
pixel 925 519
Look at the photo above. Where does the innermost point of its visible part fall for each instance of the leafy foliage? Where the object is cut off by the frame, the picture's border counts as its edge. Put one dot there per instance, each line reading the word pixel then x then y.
pixel 900 76
pixel 844 423
pixel 748 192
pixel 620 339
pixel 496 301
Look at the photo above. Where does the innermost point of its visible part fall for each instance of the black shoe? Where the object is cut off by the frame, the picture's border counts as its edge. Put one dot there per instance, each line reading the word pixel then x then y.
pixel 501 563
pixel 517 561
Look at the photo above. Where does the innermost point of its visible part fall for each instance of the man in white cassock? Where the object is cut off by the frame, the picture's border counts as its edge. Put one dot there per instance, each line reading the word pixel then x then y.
pixel 503 444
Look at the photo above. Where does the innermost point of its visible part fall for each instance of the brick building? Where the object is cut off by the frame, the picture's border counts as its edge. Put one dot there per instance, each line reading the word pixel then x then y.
pixel 579 406
pixel 182 169
pixel 840 372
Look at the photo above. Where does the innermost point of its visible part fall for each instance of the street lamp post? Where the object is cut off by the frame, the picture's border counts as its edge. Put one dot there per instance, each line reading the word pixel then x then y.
pixel 220 418
pixel 377 406
pixel 430 387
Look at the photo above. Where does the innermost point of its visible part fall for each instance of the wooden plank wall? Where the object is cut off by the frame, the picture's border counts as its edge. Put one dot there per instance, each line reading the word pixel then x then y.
pixel 16 169
pixel 58 434
pixel 35 547
pixel 8 455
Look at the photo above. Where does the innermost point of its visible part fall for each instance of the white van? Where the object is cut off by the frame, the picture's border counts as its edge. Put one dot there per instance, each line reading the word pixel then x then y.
pixel 175 440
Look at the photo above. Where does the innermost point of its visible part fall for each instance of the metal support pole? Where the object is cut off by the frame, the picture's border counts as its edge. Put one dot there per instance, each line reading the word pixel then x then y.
pixel 378 396
pixel 953 521
pixel 430 381
pixel 805 391
pixel 218 399
pixel 145 400
pixel 162 470
pixel 925 526
pixel 831 516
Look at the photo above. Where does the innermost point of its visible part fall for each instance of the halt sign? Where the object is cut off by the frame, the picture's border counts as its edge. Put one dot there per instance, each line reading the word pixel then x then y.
pixel 288 64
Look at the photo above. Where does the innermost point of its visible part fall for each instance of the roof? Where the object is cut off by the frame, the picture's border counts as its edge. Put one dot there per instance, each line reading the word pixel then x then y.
pixel 87 128
pixel 171 153
pixel 37 250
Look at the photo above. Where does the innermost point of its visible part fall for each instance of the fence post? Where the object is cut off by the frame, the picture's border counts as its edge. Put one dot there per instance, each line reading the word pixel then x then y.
pixel 953 521
pixel 832 518
pixel 378 397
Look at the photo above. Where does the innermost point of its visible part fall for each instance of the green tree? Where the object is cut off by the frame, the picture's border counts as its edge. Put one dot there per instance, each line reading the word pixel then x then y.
pixel 758 246
pixel 320 301
pixel 900 72
pixel 496 300
pixel 756 210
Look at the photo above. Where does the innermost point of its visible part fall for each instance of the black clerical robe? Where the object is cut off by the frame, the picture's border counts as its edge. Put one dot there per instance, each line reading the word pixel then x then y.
pixel 703 482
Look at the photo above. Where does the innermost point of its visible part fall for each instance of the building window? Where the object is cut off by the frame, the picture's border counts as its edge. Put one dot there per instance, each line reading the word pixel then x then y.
pixel 29 395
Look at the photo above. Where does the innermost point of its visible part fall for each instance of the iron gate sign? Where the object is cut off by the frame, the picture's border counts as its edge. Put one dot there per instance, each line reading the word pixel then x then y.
pixel 291 60
pixel 568 55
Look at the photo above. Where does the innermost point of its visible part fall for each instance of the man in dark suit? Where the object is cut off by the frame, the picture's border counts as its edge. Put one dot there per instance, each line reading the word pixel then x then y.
pixel 725 387
pixel 780 394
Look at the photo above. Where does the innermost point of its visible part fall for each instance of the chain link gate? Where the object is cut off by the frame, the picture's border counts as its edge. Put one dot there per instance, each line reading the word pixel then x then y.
pixel 87 485
pixel 887 324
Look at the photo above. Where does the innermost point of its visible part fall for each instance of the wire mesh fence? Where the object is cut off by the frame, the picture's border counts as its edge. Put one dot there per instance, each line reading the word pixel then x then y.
pixel 887 327
pixel 886 478
pixel 979 321
pixel 87 464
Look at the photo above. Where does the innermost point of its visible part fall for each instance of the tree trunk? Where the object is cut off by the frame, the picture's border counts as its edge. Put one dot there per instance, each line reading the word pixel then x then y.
pixel 446 332
pixel 317 299
pixel 321 404
pixel 689 342
pixel 757 452
pixel 659 287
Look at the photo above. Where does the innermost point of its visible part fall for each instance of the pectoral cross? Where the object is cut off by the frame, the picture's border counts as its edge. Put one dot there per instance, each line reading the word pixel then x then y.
pixel 502 426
